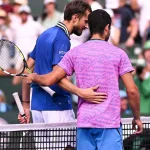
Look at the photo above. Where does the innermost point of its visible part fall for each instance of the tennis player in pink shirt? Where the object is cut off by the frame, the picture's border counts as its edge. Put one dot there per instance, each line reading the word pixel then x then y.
pixel 97 62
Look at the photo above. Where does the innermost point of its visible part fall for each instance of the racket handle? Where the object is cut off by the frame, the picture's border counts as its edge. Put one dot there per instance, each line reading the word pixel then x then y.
pixel 19 105
pixel 48 90
pixel 45 88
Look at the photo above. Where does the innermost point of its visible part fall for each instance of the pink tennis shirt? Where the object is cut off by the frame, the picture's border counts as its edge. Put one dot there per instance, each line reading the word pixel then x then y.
pixel 97 62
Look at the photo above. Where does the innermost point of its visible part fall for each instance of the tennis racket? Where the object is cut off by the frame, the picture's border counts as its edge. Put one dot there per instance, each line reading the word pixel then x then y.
pixel 6 49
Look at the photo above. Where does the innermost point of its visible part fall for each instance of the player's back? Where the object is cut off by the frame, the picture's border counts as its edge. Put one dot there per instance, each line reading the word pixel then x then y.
pixel 99 63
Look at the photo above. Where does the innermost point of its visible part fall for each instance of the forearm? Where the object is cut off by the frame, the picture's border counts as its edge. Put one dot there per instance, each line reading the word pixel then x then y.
pixel 25 94
pixel 48 79
pixel 68 86
pixel 134 102
pixel 30 63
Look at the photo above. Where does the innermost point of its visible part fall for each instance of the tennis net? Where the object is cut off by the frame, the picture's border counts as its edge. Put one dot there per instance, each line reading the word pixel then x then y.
pixel 63 136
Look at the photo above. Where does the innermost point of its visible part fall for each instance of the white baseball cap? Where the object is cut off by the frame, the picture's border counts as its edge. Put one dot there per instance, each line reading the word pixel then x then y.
pixel 112 4
pixel 21 2
pixel 25 8
pixel 49 1
pixel 110 12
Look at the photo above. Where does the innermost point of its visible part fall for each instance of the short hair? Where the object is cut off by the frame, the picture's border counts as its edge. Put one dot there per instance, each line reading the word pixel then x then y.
pixel 98 20
pixel 76 7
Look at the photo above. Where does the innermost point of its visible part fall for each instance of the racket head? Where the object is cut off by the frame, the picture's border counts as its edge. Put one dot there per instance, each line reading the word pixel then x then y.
pixel 6 49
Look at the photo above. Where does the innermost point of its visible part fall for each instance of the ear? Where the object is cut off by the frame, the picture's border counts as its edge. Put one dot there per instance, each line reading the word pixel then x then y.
pixel 75 17
pixel 107 28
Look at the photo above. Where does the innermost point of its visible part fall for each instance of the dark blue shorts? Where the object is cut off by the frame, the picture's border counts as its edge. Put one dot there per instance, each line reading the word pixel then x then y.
pixel 99 139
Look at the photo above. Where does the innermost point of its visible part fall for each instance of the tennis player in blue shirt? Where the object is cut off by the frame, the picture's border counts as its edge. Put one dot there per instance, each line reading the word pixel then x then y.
pixel 50 48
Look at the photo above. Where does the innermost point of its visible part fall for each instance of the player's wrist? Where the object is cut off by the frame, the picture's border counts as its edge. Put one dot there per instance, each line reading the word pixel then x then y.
pixel 33 78
pixel 26 104
pixel 137 118
pixel 79 92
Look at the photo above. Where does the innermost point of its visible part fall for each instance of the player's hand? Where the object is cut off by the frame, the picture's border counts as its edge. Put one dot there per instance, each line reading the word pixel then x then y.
pixel 25 119
pixel 30 78
pixel 139 125
pixel 91 96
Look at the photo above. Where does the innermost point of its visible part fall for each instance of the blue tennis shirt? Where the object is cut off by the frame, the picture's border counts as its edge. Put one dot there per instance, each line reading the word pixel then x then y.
pixel 50 48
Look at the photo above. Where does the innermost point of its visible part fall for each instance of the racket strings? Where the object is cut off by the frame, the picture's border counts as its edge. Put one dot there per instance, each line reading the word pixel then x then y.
pixel 10 57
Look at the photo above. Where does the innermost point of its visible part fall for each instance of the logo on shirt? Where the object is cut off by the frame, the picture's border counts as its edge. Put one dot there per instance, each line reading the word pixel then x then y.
pixel 62 52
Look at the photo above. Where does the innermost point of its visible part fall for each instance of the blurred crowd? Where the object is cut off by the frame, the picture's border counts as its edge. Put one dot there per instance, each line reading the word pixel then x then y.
pixel 130 31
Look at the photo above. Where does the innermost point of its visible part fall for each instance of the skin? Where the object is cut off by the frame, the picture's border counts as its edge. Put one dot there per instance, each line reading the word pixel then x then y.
pixel 24 17
pixel 50 9
pixel 131 88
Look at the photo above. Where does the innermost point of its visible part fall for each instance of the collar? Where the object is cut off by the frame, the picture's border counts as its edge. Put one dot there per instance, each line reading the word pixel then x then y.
pixel 62 26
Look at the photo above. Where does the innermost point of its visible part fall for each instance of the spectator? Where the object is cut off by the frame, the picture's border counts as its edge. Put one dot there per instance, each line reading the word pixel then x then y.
pixel 4 107
pixel 7 6
pixel 115 29
pixel 129 27
pixel 124 103
pixel 94 4
pixel 5 30
pixel 6 33
pixel 14 16
pixel 143 81
pixel 143 7
pixel 51 16
pixel 146 35
pixel 111 4
pixel 26 34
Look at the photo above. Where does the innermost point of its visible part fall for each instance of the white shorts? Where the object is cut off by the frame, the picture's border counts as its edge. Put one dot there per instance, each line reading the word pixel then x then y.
pixel 53 116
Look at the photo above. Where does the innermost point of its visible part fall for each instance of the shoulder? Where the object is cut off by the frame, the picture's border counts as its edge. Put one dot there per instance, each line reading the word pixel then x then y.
pixel 61 35
pixel 116 50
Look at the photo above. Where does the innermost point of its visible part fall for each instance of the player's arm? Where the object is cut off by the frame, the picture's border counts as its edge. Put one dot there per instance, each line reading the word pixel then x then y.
pixel 125 69
pixel 133 94
pixel 58 75
pixel 88 94
pixel 26 95
pixel 134 100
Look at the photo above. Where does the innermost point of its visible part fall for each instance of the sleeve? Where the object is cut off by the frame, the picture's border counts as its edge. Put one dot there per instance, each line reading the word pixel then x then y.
pixel 125 64
pixel 33 53
pixel 67 63
pixel 61 47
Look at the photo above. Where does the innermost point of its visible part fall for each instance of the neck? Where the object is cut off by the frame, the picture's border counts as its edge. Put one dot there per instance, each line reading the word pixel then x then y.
pixel 98 36
pixel 68 25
